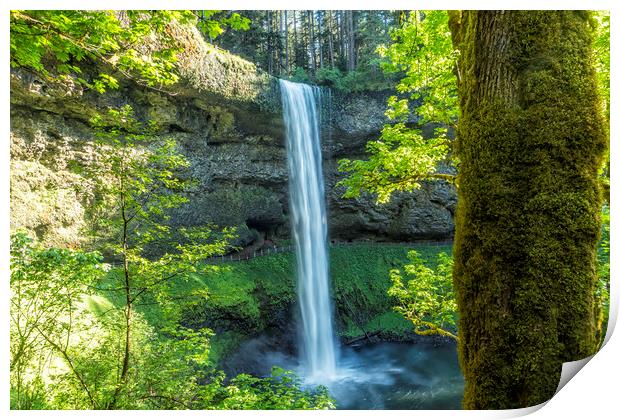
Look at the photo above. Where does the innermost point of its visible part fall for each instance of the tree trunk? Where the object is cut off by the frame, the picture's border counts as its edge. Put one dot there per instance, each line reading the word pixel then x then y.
pixel 287 60
pixel 295 46
pixel 351 41
pixel 330 38
pixel 531 138
pixel 269 44
pixel 342 53
pixel 319 38
pixel 280 23
pixel 128 307
pixel 311 46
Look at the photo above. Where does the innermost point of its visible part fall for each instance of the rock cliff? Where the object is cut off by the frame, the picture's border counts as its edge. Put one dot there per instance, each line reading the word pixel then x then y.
pixel 226 116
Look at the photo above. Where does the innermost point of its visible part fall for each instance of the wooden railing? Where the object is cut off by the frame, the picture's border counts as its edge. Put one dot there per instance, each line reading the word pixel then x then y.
pixel 270 250
pixel 290 248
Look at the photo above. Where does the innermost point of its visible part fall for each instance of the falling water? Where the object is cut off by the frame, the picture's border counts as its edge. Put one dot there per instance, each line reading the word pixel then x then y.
pixel 301 104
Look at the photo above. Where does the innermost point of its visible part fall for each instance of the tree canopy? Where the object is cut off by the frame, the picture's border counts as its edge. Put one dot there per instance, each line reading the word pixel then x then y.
pixel 56 43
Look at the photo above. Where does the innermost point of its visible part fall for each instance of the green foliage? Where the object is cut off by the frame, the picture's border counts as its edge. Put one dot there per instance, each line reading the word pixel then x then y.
pixel 350 81
pixel 390 325
pixel 212 24
pixel 289 44
pixel 57 42
pixel 282 390
pixel 360 278
pixel 230 303
pixel 47 287
pixel 360 281
pixel 403 158
pixel 137 182
pixel 300 75
pixel 601 49
pixel 400 161
pixel 244 298
pixel 601 296
pixel 422 49
pixel 425 296
pixel 65 349
pixel 66 344
pixel 223 343
pixel 329 76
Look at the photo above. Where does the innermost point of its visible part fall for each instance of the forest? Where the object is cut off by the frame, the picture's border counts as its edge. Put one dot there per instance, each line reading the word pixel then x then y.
pixel 306 209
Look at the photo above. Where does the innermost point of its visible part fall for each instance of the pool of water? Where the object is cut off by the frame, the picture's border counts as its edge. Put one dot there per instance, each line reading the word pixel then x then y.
pixel 403 376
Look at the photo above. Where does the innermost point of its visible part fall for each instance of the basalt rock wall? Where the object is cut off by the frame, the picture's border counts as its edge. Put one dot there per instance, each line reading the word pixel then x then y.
pixel 226 116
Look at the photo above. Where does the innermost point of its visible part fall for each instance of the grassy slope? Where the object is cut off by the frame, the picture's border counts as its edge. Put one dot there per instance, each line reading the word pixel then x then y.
pixel 247 297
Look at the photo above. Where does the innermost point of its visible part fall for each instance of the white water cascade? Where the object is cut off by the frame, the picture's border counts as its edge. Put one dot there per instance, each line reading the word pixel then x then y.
pixel 301 107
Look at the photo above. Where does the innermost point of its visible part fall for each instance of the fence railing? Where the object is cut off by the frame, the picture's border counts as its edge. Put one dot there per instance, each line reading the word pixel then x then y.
pixel 270 250
pixel 244 256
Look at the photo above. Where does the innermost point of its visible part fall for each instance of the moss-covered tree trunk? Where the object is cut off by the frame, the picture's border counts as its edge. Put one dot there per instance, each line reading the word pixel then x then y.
pixel 531 138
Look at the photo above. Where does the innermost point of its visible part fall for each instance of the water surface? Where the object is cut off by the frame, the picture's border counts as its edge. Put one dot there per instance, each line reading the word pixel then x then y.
pixel 400 376
pixel 387 375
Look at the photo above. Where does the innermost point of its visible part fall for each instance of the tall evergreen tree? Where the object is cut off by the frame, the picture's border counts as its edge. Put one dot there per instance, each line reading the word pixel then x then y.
pixel 531 139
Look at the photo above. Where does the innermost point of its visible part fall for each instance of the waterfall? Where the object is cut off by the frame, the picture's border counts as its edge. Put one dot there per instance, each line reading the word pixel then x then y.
pixel 301 107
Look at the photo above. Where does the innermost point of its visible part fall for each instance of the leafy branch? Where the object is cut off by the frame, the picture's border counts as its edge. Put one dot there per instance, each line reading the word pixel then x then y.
pixel 425 296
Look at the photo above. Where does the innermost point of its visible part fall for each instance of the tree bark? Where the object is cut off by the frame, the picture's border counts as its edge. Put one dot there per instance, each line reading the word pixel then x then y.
pixel 295 45
pixel 342 32
pixel 531 138
pixel 280 23
pixel 287 61
pixel 319 38
pixel 330 38
pixel 351 41
pixel 269 46
pixel 128 303
pixel 311 46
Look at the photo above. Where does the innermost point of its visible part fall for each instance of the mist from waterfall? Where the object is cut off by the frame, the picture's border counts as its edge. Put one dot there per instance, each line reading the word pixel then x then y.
pixel 301 108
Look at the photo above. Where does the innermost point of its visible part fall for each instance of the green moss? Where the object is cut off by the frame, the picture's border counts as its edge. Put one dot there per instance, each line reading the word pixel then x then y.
pixel 229 302
pixel 242 299
pixel 215 71
pixel 245 298
pixel 360 279
pixel 391 325
pixel 223 344
pixel 531 139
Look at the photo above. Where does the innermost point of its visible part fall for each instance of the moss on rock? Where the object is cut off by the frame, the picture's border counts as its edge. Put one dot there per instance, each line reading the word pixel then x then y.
pixel 246 298
pixel 206 68
pixel 47 204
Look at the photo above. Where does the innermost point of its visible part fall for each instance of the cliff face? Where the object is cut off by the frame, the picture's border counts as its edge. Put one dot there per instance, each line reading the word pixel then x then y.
pixel 226 116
